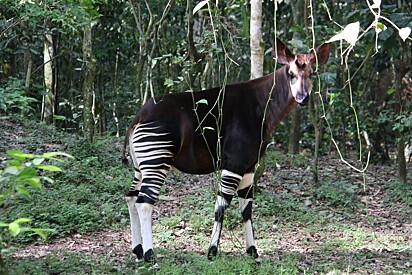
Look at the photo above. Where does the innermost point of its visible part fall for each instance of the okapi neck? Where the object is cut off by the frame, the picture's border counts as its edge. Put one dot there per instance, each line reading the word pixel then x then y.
pixel 281 100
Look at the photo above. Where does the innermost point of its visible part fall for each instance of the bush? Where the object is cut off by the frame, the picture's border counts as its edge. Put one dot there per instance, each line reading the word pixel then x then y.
pixel 339 194
pixel 20 174
pixel 13 98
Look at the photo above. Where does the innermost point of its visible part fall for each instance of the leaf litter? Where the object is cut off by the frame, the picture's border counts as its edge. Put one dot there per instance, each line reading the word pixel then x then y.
pixel 386 224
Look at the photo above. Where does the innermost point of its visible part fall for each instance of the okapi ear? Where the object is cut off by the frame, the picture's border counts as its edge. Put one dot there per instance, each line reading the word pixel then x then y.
pixel 322 53
pixel 283 55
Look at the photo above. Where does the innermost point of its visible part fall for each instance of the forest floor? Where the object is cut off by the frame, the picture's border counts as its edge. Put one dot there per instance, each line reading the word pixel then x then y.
pixel 346 224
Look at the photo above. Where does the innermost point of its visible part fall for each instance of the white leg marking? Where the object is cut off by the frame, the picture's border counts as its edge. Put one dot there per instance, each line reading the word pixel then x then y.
pixel 248 224
pixel 217 227
pixel 246 182
pixel 134 222
pixel 145 211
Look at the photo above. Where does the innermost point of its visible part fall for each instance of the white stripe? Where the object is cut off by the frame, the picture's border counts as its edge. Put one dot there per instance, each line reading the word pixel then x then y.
pixel 230 174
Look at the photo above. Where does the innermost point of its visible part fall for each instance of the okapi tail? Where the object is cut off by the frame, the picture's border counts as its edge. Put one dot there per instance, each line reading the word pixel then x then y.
pixel 126 141
pixel 126 138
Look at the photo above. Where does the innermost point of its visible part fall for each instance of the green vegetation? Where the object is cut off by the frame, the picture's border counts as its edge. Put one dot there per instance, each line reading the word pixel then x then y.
pixel 76 201
pixel 299 227
pixel 85 67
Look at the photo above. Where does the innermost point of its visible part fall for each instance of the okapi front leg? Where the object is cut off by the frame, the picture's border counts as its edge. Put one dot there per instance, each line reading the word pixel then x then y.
pixel 228 184
pixel 245 194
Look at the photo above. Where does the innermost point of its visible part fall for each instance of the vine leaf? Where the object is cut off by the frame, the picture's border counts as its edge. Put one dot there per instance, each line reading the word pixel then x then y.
pixel 349 33
pixel 376 4
pixel 404 33
pixel 202 101
pixel 199 6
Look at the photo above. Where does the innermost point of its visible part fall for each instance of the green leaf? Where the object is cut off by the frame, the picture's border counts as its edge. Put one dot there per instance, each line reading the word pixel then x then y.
pixel 22 220
pixel 12 170
pixel 13 162
pixel 49 180
pixel 59 117
pixel 168 82
pixel 27 173
pixel 51 168
pixel 54 154
pixel 390 91
pixel 23 190
pixel 14 229
pixel 19 155
pixel 34 182
pixel 381 26
pixel 2 224
pixel 39 231
pixel 202 101
pixel 38 161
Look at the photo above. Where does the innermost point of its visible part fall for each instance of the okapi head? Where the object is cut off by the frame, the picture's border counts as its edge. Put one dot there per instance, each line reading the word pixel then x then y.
pixel 300 68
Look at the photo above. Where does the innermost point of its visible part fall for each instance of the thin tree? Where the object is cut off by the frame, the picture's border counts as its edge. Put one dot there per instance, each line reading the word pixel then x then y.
pixel 256 57
pixel 88 84
pixel 256 49
pixel 48 98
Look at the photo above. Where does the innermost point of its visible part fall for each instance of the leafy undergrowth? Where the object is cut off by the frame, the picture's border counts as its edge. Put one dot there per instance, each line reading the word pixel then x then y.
pixel 337 226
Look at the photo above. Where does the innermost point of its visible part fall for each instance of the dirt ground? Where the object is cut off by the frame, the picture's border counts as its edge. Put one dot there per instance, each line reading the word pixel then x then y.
pixel 390 219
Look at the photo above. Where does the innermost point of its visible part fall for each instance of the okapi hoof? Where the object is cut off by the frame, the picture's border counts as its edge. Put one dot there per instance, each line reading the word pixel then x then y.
pixel 149 256
pixel 252 251
pixel 138 251
pixel 211 253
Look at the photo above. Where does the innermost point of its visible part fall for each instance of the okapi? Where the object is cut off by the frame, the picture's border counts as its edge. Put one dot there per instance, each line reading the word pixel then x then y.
pixel 224 128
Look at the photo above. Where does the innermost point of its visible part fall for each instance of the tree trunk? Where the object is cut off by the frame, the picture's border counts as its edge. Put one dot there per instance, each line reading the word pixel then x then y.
pixel 401 159
pixel 256 49
pixel 401 69
pixel 55 68
pixel 88 84
pixel 294 131
pixel 256 58
pixel 27 59
pixel 317 121
pixel 48 98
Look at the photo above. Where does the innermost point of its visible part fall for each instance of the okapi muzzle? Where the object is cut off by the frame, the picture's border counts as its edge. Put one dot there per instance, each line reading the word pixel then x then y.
pixel 229 134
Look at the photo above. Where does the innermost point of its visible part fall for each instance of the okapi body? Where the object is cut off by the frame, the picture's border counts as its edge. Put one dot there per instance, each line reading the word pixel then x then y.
pixel 223 129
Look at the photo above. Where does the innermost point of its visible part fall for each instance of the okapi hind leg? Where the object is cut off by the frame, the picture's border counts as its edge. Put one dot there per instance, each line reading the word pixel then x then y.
pixel 228 185
pixel 153 178
pixel 145 211
pixel 245 194
pixel 135 227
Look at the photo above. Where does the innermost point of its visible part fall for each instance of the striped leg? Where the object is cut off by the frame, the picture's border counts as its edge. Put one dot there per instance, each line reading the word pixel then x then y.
pixel 228 185
pixel 152 150
pixel 153 179
pixel 245 194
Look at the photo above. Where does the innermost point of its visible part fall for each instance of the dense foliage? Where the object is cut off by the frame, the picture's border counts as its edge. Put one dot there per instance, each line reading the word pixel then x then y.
pixel 145 49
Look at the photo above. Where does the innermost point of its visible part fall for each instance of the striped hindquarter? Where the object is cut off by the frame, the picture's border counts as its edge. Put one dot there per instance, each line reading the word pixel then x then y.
pixel 152 157
pixel 150 148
